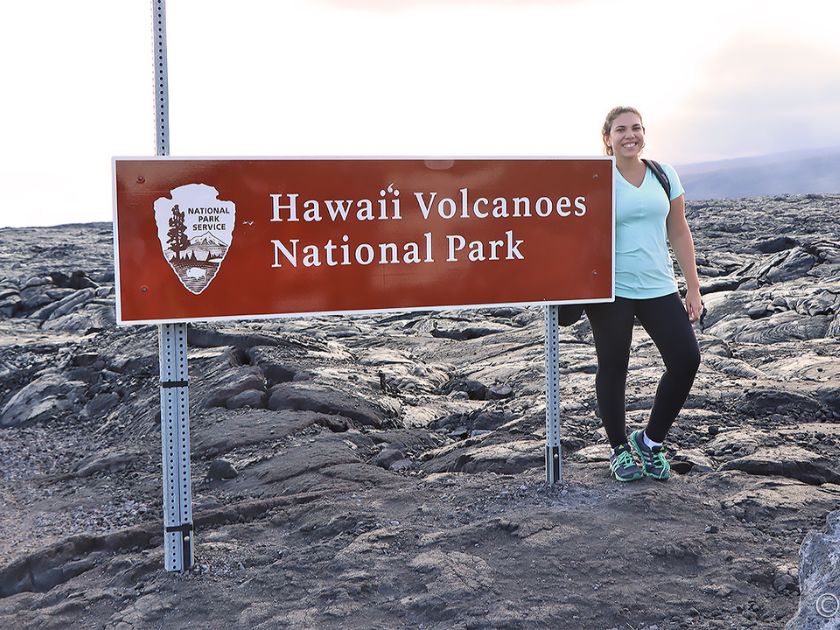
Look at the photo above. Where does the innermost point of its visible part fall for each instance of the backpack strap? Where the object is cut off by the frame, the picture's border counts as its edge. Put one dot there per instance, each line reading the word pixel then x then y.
pixel 657 169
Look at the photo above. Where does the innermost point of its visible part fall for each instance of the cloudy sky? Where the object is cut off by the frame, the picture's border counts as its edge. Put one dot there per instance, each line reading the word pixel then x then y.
pixel 715 79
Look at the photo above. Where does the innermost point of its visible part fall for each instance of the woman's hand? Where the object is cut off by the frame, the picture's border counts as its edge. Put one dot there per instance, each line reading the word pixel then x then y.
pixel 679 236
pixel 693 304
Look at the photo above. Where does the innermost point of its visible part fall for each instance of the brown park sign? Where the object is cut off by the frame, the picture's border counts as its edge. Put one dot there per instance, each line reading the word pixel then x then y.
pixel 202 239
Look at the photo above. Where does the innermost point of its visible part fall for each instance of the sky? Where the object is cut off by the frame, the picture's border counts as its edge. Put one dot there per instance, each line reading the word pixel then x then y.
pixel 716 79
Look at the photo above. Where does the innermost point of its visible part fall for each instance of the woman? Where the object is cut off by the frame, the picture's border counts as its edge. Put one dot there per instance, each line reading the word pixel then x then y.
pixel 645 288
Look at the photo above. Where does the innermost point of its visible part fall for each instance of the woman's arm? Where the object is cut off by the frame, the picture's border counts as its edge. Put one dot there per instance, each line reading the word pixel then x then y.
pixel 679 235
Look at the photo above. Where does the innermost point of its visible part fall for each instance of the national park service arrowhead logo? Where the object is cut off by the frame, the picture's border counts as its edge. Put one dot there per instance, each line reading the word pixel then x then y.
pixel 195 229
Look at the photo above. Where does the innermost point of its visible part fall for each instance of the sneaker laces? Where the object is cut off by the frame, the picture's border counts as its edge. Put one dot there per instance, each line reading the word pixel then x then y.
pixel 624 458
pixel 658 458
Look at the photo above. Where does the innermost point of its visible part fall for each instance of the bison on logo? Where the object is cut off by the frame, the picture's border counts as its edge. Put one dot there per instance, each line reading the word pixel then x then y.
pixel 195 229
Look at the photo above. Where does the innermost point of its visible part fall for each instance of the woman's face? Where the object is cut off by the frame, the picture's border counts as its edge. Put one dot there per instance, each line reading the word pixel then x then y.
pixel 627 136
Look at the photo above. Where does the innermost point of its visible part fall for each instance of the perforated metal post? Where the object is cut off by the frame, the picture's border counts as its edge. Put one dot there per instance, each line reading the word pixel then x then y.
pixel 175 436
pixel 161 78
pixel 174 390
pixel 553 462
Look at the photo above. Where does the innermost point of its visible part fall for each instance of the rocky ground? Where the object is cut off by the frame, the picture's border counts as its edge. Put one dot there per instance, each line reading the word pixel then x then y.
pixel 386 471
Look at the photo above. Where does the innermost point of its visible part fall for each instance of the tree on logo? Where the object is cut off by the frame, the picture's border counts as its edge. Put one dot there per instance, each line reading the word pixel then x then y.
pixel 177 234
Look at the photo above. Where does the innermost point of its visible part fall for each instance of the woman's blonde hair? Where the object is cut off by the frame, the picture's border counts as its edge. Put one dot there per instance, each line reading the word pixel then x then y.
pixel 614 113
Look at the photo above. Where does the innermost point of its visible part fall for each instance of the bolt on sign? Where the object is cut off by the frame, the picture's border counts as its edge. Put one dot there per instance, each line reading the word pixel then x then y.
pixel 200 239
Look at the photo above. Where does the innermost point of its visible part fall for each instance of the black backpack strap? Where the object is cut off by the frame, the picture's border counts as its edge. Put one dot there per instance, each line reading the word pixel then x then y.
pixel 657 169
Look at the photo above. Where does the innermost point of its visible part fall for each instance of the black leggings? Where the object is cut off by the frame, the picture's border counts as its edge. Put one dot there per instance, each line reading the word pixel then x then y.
pixel 666 321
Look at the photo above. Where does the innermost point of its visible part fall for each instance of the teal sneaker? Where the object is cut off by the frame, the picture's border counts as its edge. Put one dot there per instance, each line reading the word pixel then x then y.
pixel 653 459
pixel 622 464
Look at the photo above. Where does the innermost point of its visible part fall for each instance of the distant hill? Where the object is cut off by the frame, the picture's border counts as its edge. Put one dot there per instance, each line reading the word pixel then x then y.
pixel 794 172
pixel 207 240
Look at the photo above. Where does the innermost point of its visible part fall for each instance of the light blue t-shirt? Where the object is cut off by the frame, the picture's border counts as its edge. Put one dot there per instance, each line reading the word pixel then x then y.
pixel 643 266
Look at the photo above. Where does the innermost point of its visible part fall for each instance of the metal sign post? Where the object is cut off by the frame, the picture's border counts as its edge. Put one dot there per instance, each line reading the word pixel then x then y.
pixel 553 460
pixel 174 389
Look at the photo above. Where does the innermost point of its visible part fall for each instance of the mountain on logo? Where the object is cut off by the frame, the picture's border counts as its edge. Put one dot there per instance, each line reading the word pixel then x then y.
pixel 206 240
pixel 207 247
